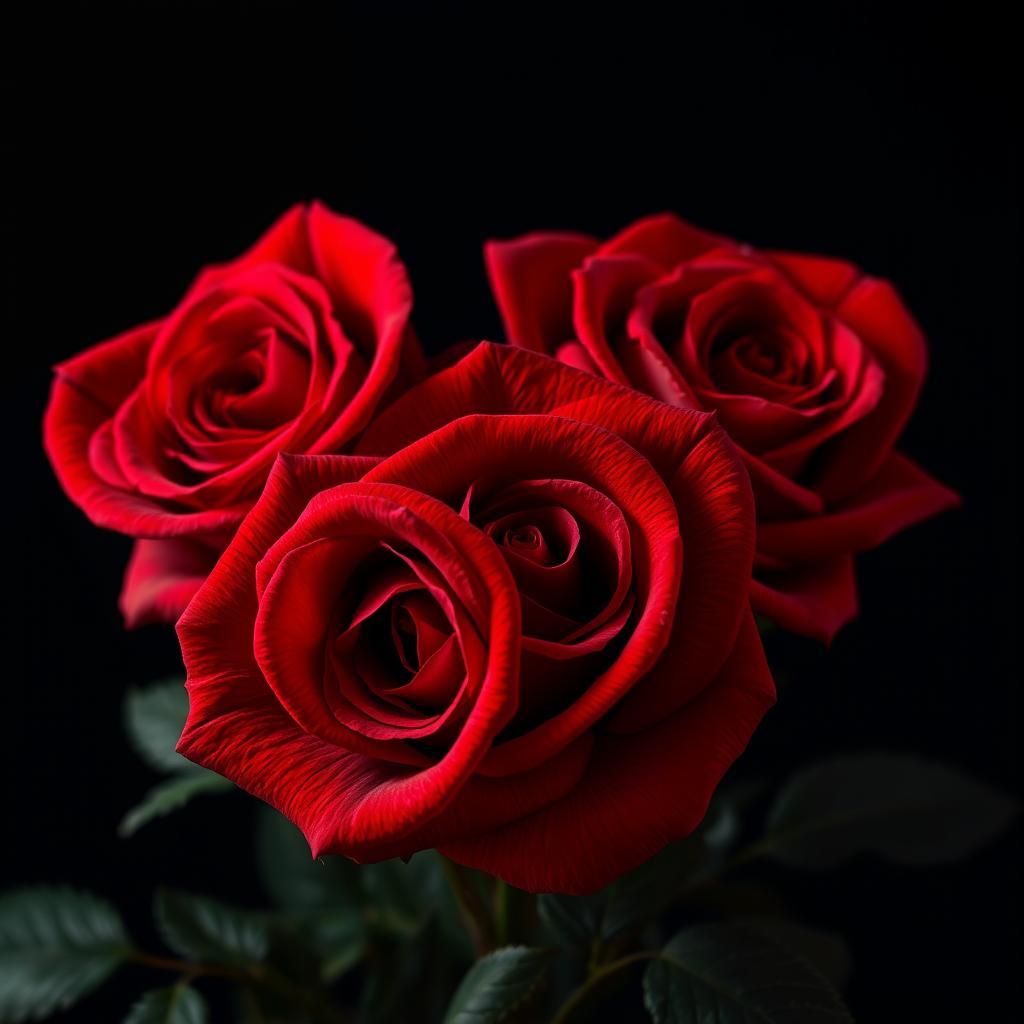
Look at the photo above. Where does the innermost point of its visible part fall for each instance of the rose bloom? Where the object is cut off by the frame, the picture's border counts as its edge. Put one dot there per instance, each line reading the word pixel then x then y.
pixel 811 366
pixel 167 433
pixel 514 626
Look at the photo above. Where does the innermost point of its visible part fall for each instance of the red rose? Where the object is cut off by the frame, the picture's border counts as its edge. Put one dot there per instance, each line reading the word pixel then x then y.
pixel 168 432
pixel 523 637
pixel 812 367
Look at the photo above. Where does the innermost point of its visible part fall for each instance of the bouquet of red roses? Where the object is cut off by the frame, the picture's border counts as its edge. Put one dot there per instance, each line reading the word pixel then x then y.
pixel 483 630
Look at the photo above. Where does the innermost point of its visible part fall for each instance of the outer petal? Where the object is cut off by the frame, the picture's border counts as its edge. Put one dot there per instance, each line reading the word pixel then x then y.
pixel 820 278
pixel 640 792
pixel 161 578
pixel 814 600
pixel 716 511
pixel 665 238
pixel 530 279
pixel 496 379
pixel 286 241
pixel 899 495
pixel 604 289
pixel 86 393
pixel 372 299
pixel 873 310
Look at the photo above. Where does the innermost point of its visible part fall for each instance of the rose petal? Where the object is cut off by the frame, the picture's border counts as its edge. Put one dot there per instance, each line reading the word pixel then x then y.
pixel 900 494
pixel 664 238
pixel 495 379
pixel 814 600
pixel 603 292
pixel 87 391
pixel 343 801
pixel 640 792
pixel 449 459
pixel 821 278
pixel 161 578
pixel 712 494
pixel 286 241
pixel 530 280
pixel 873 310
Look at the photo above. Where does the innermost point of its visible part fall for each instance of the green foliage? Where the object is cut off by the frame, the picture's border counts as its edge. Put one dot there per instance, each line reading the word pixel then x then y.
pixel 733 974
pixel 497 985
pixel 170 795
pixel 56 945
pixel 907 809
pixel 413 970
pixel 154 717
pixel 401 896
pixel 203 929
pixel 392 897
pixel 410 927
pixel 294 881
pixel 635 899
pixel 341 940
pixel 179 1004
pixel 826 951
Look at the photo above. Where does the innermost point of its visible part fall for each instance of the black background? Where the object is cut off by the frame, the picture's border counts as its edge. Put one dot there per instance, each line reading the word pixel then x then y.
pixel 148 141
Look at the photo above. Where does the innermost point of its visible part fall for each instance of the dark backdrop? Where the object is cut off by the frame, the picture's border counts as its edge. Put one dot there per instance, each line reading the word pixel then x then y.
pixel 149 141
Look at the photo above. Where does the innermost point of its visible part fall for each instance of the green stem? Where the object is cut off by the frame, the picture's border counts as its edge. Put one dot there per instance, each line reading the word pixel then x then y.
pixel 474 911
pixel 750 853
pixel 166 963
pixel 272 981
pixel 501 913
pixel 259 975
pixel 581 994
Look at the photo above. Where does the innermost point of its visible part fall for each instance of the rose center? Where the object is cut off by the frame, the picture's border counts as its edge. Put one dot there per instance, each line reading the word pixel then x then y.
pixel 393 652
pixel 529 542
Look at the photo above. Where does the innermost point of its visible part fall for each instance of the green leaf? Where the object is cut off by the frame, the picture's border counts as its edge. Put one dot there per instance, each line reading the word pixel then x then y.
pixel 153 718
pixel 179 1004
pixel 723 823
pixel 391 889
pixel 293 879
pixel 202 929
pixel 342 940
pixel 631 901
pixel 826 951
pixel 56 945
pixel 409 971
pixel 168 796
pixel 731 974
pixel 400 896
pixel 571 920
pixel 905 808
pixel 321 930
pixel 497 985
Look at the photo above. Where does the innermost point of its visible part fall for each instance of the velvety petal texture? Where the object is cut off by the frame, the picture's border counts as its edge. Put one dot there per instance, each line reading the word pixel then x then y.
pixel 513 625
pixel 168 432
pixel 812 367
